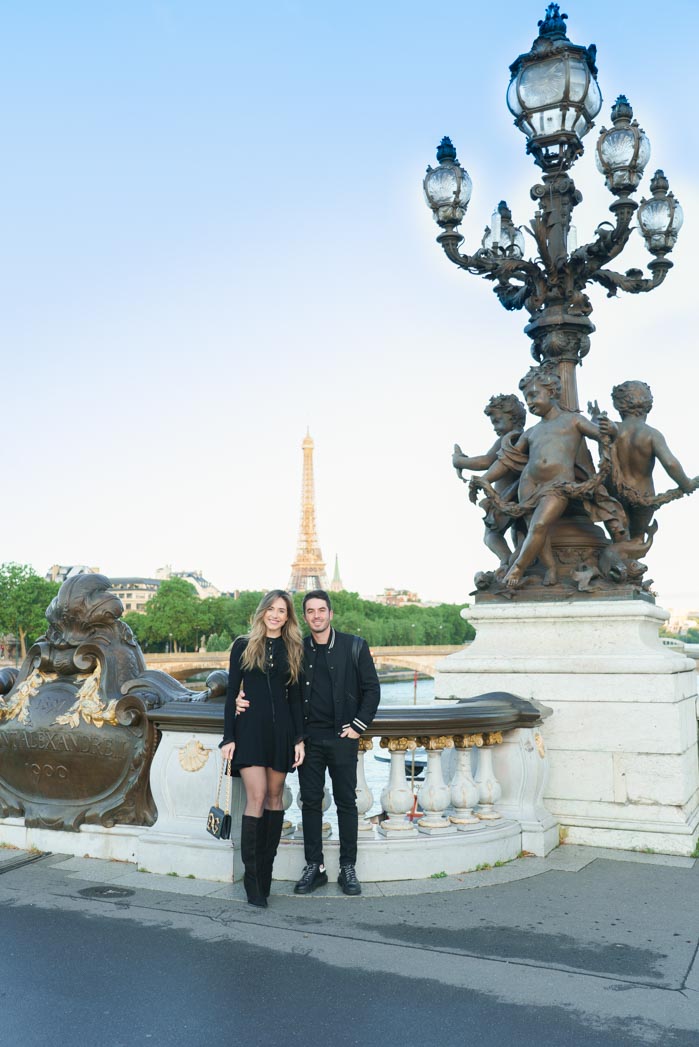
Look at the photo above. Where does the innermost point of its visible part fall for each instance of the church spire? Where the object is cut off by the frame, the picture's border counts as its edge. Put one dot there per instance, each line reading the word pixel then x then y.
pixel 336 585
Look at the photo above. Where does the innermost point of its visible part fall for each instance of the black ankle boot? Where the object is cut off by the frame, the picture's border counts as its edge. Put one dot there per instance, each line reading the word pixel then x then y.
pixel 274 822
pixel 250 840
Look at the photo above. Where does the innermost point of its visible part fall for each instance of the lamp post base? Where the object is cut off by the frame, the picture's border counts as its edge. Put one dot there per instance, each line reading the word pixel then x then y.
pixel 622 740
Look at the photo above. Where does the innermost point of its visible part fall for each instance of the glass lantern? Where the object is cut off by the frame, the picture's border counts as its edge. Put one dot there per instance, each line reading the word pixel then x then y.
pixel 447 187
pixel 553 94
pixel 660 218
pixel 622 152
pixel 501 236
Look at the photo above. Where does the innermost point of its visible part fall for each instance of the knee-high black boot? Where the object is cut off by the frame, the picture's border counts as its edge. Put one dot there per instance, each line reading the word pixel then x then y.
pixel 274 821
pixel 250 851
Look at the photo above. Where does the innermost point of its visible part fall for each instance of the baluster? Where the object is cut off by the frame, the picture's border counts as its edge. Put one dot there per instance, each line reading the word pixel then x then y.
pixel 397 796
pixel 435 794
pixel 365 797
pixel 489 788
pixel 327 827
pixel 464 791
pixel 287 800
pixel 327 800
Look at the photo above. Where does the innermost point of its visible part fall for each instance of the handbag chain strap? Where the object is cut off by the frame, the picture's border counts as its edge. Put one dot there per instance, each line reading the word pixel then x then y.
pixel 225 766
pixel 229 787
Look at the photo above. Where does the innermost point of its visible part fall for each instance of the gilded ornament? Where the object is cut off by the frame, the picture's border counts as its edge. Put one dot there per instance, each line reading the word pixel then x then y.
pixel 18 708
pixel 70 685
pixel 365 744
pixel 436 741
pixel 467 741
pixel 193 755
pixel 492 738
pixel 540 747
pixel 89 705
pixel 398 745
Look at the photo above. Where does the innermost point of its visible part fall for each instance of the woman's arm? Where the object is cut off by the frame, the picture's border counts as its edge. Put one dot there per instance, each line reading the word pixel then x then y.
pixel 235 679
pixel 296 710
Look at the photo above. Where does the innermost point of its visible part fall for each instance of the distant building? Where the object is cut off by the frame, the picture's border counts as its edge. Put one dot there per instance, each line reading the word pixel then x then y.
pixel 680 621
pixel 203 587
pixel 397 597
pixel 61 572
pixel 135 593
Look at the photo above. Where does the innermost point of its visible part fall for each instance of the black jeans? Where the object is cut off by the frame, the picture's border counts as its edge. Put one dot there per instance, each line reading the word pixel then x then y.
pixel 339 755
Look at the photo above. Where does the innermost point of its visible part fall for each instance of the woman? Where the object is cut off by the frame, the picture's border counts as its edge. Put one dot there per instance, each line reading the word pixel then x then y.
pixel 266 743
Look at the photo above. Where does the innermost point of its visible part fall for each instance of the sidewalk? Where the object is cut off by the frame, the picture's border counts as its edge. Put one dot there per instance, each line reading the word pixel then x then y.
pixel 585 947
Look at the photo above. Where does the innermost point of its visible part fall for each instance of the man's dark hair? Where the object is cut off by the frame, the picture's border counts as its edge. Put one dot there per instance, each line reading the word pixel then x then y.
pixel 317 594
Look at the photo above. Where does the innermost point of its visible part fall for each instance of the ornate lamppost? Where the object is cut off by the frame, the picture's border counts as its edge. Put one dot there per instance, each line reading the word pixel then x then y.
pixel 554 98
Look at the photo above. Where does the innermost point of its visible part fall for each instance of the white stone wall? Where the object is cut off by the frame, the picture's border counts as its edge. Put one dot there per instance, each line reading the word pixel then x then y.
pixel 622 737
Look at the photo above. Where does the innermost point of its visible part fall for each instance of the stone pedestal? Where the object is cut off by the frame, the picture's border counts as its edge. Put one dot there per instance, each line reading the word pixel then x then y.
pixel 184 777
pixel 622 740
pixel 522 769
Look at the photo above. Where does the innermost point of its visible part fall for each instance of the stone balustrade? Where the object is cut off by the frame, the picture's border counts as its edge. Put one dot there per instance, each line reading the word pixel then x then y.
pixel 480 801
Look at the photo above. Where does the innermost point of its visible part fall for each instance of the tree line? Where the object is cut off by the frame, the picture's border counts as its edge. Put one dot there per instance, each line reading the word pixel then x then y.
pixel 176 619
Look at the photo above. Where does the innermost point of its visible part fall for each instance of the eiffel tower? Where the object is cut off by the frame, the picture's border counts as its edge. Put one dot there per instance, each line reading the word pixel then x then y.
pixel 308 569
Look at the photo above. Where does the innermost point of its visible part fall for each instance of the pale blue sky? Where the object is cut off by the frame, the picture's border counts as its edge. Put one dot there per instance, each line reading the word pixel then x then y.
pixel 212 235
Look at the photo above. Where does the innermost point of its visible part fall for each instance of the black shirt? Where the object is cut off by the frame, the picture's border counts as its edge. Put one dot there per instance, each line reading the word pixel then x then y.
pixel 321 718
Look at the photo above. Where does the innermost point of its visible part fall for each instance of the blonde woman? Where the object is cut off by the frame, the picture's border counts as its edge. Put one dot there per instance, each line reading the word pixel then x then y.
pixel 266 743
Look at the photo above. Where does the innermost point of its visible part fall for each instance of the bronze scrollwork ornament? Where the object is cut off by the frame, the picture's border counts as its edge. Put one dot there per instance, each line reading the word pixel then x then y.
pixel 75 741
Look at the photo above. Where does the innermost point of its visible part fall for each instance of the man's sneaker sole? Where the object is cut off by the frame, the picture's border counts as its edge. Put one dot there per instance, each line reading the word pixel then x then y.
pixel 320 881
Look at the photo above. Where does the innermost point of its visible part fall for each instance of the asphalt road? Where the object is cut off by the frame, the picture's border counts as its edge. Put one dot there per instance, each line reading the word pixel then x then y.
pixel 604 955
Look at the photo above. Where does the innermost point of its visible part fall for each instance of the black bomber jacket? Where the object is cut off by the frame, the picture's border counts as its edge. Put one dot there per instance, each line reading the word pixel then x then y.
pixel 355 684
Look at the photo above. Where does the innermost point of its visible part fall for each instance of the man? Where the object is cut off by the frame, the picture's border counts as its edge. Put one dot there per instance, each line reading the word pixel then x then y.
pixel 340 697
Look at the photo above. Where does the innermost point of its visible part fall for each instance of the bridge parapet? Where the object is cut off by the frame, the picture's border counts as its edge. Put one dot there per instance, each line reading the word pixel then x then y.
pixel 487 809
pixel 187 663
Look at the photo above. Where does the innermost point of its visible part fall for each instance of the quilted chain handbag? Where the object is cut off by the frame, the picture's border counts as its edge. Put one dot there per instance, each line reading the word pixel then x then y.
pixel 218 821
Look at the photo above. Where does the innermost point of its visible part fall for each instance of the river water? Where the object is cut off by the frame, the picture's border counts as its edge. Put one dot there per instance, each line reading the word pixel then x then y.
pixel 401 693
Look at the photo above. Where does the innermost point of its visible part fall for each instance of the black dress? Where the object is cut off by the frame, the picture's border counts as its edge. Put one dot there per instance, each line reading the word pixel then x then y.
pixel 266 733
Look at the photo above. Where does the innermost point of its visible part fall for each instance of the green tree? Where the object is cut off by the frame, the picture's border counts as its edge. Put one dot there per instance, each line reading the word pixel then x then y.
pixel 218 642
pixel 137 622
pixel 175 615
pixel 386 626
pixel 24 598
pixel 175 611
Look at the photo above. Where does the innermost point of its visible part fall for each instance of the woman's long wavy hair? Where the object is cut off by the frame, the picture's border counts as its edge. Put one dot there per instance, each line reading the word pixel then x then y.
pixel 254 654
